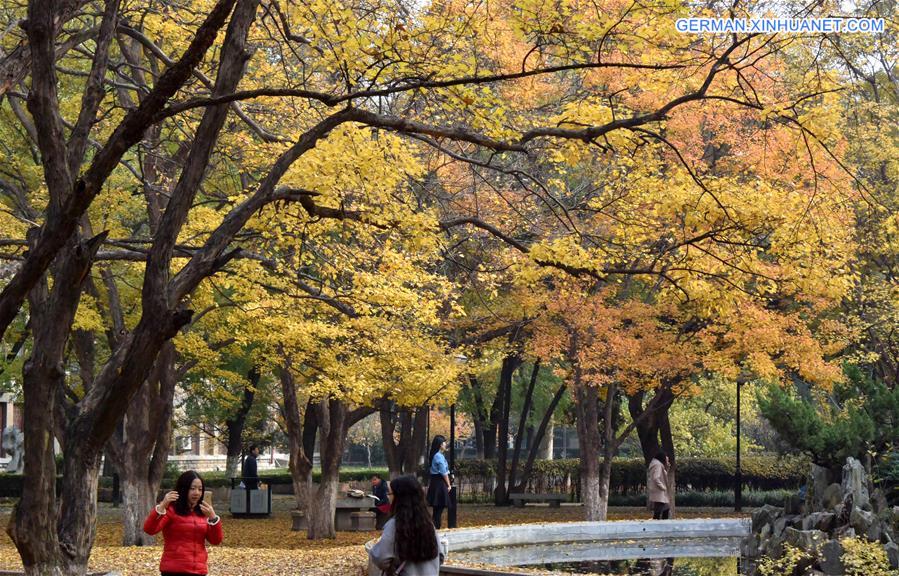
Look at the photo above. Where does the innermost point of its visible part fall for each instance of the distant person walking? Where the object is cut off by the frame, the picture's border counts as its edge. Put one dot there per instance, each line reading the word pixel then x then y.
pixel 408 545
pixel 439 485
pixel 250 472
pixel 657 486
pixel 185 527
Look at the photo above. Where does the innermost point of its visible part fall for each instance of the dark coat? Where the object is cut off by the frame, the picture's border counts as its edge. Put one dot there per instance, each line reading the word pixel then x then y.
pixel 250 473
pixel 380 490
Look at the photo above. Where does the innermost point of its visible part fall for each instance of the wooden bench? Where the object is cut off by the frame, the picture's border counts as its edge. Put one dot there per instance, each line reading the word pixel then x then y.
pixel 555 500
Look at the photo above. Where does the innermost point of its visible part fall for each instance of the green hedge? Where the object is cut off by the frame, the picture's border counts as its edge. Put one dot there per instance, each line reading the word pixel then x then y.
pixel 762 473
pixel 282 476
pixel 11 484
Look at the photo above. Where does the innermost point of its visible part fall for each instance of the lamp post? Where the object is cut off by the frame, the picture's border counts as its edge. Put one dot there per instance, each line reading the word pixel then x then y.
pixel 451 511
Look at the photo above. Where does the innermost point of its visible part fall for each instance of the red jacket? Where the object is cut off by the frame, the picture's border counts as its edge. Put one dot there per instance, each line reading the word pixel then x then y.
pixel 185 540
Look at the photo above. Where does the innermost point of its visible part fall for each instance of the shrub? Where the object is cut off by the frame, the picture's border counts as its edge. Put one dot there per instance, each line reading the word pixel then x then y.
pixel 886 476
pixel 863 558
pixel 786 565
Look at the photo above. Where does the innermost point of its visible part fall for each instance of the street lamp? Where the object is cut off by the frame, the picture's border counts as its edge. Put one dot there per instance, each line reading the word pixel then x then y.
pixel 738 477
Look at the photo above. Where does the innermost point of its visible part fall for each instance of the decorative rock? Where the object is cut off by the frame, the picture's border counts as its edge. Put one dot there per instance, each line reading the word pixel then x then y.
pixel 13 441
pixel 879 502
pixel 832 496
pixel 845 510
pixel 750 547
pixel 892 550
pixel 865 524
pixel 830 513
pixel 844 532
pixel 855 482
pixel 793 504
pixel 767 514
pixel 779 526
pixel 806 540
pixel 819 521
pixel 819 478
pixel 829 561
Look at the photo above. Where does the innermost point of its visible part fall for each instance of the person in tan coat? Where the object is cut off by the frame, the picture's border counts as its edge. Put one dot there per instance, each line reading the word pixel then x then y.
pixel 657 486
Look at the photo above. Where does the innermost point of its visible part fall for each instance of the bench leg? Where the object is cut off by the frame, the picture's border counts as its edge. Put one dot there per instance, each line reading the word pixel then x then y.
pixel 555 503
pixel 518 503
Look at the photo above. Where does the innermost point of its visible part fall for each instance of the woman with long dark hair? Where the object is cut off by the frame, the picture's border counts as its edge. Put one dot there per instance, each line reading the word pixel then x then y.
pixel 186 527
pixel 439 484
pixel 408 545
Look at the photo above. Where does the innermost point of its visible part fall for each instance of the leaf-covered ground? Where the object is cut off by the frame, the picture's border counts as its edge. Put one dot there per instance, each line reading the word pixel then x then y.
pixel 269 547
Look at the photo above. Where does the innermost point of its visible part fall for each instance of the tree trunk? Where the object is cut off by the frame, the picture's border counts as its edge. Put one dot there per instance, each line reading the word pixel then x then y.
pixel 479 438
pixel 139 455
pixel 504 395
pixel 605 478
pixel 609 447
pixel 78 510
pixel 33 525
pixel 388 430
pixel 545 445
pixel 235 424
pixel 138 498
pixel 334 420
pixel 587 411
pixel 416 453
pixel 332 417
pixel 648 420
pixel 654 430
pixel 403 455
pixel 538 439
pixel 522 424
pixel 320 509
pixel 299 462
pixel 482 427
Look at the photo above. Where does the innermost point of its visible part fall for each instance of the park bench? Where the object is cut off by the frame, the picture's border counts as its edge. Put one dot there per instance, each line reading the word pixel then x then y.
pixel 555 500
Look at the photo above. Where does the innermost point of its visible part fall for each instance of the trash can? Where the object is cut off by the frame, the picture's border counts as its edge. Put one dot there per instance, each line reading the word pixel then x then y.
pixel 255 503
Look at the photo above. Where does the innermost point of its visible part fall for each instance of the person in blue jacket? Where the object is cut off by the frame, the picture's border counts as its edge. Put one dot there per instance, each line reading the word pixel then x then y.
pixel 439 485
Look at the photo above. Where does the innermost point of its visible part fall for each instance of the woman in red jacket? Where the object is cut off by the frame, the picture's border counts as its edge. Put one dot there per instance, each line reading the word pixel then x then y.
pixel 185 527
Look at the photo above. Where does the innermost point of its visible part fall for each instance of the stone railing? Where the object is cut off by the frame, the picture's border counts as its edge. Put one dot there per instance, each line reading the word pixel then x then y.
pixel 528 544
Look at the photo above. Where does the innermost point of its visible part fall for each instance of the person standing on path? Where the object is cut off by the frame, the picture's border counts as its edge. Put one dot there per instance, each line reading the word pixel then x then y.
pixel 659 497
pixel 657 486
pixel 250 472
pixel 439 485
pixel 185 527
